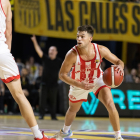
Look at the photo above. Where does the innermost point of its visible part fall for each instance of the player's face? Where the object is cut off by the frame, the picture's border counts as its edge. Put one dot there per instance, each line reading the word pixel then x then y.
pixel 24 72
pixel 83 39
pixel 52 52
pixel 31 60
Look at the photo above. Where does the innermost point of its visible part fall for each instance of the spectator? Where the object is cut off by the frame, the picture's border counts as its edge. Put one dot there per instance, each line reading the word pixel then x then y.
pixel 38 79
pixel 35 91
pixel 49 85
pixel 137 80
pixel 127 75
pixel 138 70
pixel 33 70
pixel 25 82
pixel 2 92
pixel 19 64
pixel 134 75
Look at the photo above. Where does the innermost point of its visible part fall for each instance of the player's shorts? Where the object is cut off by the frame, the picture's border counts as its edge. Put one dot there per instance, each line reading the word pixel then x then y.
pixel 8 68
pixel 77 94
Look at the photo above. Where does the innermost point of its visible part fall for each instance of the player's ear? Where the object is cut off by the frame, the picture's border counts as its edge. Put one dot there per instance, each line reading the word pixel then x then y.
pixel 91 38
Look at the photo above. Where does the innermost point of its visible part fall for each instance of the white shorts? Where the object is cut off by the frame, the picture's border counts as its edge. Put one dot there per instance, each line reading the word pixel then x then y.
pixel 78 94
pixel 8 68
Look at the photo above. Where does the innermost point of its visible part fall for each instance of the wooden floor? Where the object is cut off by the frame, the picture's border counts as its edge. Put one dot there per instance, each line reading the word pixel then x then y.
pixel 15 128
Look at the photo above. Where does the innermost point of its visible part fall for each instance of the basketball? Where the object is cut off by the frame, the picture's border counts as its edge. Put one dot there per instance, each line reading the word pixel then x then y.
pixel 112 78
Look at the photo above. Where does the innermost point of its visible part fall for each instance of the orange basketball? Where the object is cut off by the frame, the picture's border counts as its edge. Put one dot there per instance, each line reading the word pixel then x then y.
pixel 112 78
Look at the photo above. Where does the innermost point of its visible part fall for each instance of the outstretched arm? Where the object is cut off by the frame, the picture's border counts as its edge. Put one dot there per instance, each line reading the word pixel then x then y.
pixel 69 61
pixel 36 46
pixel 8 33
pixel 105 53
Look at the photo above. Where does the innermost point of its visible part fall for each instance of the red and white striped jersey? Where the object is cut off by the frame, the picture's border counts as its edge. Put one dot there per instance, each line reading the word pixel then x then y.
pixel 3 45
pixel 87 70
pixel 2 24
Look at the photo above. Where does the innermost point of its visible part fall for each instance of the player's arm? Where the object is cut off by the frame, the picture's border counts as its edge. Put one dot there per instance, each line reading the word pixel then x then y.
pixel 37 47
pixel 105 53
pixel 8 33
pixel 67 64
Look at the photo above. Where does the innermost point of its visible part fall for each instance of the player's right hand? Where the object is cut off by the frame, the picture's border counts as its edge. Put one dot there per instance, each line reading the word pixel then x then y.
pixel 33 38
pixel 86 86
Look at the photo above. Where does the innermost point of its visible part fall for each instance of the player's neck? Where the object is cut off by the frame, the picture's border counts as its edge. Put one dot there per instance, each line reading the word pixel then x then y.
pixel 85 50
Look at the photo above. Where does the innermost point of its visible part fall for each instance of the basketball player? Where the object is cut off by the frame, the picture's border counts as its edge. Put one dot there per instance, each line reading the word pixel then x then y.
pixel 9 73
pixel 86 76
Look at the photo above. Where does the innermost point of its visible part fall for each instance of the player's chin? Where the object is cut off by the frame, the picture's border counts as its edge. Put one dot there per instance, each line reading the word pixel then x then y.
pixel 79 45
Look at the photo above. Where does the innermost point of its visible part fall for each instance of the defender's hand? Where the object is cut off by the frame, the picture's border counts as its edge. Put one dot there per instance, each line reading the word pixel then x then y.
pixel 119 68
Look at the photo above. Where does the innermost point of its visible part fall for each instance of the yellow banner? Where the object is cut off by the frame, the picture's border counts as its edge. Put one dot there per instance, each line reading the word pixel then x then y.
pixel 60 18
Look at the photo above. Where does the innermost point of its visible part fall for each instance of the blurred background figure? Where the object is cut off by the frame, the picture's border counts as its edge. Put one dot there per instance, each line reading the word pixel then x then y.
pixel 19 64
pixel 25 82
pixel 134 74
pixel 33 70
pixel 25 88
pixel 49 85
pixel 127 75
pixel 34 95
pixel 138 70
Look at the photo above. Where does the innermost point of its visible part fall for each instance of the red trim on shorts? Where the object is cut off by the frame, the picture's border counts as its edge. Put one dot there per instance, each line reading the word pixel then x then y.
pixel 10 79
pixel 2 8
pixel 100 89
pixel 85 100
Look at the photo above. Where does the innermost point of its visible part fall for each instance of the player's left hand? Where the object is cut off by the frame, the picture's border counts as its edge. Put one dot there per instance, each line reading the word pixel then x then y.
pixel 119 68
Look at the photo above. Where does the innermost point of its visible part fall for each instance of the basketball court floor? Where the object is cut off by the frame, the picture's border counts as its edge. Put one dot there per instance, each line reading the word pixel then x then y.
pixel 15 128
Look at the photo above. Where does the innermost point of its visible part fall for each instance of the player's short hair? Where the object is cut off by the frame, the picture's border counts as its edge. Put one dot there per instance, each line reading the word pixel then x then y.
pixel 87 28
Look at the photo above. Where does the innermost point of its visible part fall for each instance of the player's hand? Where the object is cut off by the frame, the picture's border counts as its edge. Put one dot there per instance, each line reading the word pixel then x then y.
pixel 119 68
pixel 86 86
pixel 33 38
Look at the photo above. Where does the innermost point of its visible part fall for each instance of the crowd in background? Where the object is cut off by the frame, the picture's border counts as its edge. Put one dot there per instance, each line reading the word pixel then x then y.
pixel 31 73
pixel 132 75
